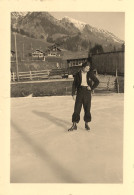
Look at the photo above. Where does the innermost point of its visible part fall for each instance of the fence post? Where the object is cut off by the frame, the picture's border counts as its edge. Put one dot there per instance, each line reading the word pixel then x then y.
pixel 116 74
pixel 13 77
pixel 17 72
pixel 117 81
pixel 30 75
pixel 108 85
pixel 48 72
pixel 117 85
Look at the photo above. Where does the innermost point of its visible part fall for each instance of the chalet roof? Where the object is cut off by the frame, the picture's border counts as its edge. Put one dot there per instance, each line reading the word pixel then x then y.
pixel 108 52
pixel 38 50
pixel 51 48
pixel 75 55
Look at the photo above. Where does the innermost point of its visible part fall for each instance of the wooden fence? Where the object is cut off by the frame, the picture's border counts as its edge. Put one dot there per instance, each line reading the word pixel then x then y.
pixel 38 75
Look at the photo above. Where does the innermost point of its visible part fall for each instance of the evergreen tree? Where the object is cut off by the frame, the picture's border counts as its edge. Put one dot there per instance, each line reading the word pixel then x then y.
pixel 96 49
pixel 114 48
pixel 123 47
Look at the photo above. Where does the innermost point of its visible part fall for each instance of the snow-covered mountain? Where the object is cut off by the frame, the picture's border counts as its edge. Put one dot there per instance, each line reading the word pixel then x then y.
pixel 66 31
pixel 18 14
pixel 16 17
pixel 94 30
pixel 78 24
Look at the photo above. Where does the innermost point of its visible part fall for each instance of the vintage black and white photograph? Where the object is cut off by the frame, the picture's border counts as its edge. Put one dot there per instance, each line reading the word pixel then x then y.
pixel 67 74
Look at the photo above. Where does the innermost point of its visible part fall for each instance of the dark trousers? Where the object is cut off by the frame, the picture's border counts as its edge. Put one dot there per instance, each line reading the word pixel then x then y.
pixel 83 98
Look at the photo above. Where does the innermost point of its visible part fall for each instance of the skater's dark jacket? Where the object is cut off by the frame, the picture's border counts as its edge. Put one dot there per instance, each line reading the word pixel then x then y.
pixel 78 79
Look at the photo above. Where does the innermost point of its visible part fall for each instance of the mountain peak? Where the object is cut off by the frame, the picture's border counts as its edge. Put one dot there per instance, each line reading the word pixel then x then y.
pixel 19 14
pixel 78 24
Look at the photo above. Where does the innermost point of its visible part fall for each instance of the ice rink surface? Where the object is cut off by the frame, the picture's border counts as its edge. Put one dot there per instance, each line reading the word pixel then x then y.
pixel 43 151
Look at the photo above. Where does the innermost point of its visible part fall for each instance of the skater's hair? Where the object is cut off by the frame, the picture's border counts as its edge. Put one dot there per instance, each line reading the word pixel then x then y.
pixel 85 64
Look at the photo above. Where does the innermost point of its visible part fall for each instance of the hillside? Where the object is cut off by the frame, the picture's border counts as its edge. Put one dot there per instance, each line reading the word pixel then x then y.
pixel 29 44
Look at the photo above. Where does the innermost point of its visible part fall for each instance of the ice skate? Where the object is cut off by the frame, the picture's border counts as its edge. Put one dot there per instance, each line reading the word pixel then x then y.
pixel 87 127
pixel 74 127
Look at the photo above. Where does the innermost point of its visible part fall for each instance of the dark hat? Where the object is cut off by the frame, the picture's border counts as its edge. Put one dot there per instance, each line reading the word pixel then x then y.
pixel 85 64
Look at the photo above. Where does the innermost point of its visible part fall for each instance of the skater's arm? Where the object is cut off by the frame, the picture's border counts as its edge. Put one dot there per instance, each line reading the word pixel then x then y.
pixel 74 97
pixel 95 80
pixel 74 86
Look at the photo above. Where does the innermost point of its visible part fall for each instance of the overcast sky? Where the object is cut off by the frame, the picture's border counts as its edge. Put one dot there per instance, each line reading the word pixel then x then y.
pixel 114 22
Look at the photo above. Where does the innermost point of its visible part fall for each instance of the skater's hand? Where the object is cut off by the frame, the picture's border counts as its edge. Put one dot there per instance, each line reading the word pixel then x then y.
pixel 89 88
pixel 74 97
pixel 92 92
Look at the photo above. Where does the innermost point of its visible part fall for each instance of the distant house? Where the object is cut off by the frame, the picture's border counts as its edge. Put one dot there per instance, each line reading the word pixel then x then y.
pixel 53 50
pixel 38 54
pixel 76 62
pixel 75 58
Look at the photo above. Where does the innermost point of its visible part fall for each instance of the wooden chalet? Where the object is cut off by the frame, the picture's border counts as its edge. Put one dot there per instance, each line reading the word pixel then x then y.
pixel 74 60
pixel 38 54
pixel 53 50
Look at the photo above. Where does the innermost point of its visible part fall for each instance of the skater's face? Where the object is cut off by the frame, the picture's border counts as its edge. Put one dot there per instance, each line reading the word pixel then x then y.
pixel 86 68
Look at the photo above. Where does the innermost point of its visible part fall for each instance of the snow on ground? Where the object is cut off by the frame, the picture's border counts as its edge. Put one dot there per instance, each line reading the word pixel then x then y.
pixel 43 151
